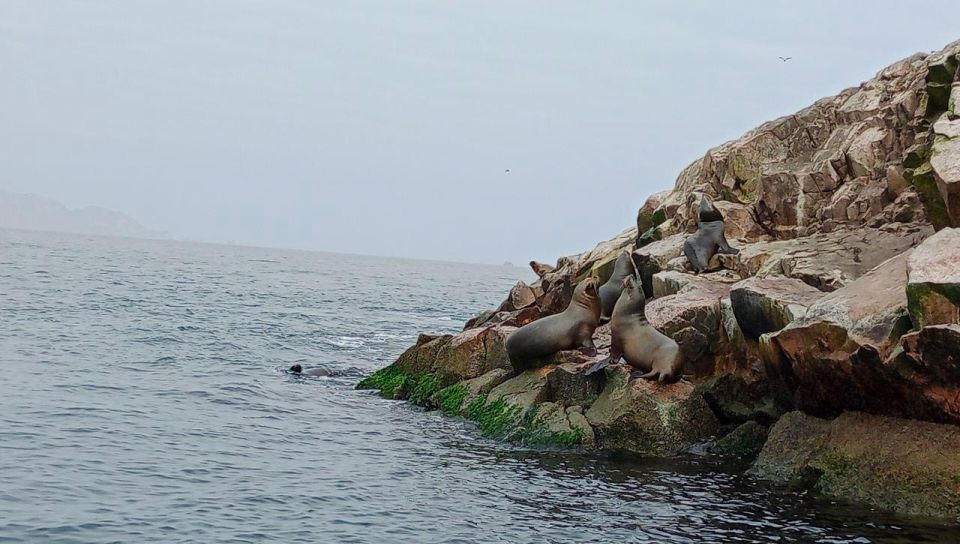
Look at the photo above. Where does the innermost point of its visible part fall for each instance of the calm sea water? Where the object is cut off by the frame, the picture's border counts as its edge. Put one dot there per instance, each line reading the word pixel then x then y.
pixel 142 399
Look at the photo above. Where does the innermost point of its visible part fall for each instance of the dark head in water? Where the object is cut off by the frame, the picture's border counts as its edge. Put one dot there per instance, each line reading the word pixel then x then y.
pixel 316 371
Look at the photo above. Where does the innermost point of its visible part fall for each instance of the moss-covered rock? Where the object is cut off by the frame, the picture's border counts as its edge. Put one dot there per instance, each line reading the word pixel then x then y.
pixel 933 280
pixel 395 383
pixel 647 418
pixel 744 442
pixel 894 464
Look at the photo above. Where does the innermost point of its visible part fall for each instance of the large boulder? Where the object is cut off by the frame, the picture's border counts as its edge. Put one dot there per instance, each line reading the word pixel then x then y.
pixel 739 222
pixel 691 317
pixel 924 375
pixel 653 258
pixel 945 164
pixel 763 305
pixel 671 282
pixel 650 214
pixel 933 287
pixel 834 353
pixel 893 464
pixel 524 391
pixel 647 418
pixel 829 261
pixel 454 358
pixel 571 387
pixel 556 423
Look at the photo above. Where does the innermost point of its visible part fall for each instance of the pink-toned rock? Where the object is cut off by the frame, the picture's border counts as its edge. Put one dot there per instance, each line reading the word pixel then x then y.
pixel 945 161
pixel 933 288
pixel 834 352
pixel 653 258
pixel 454 358
pixel 691 317
pixel 763 305
pixel 739 223
pixel 829 261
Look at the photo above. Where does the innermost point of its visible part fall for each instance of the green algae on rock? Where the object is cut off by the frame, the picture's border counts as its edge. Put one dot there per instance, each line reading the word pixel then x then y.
pixel 874 459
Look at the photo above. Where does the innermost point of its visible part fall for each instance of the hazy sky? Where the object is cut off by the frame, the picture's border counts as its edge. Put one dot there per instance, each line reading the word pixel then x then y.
pixel 385 127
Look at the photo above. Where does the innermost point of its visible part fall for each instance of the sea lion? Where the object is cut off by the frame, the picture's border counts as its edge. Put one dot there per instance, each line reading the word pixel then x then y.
pixel 571 328
pixel 610 291
pixel 541 269
pixel 642 346
pixel 709 239
pixel 317 371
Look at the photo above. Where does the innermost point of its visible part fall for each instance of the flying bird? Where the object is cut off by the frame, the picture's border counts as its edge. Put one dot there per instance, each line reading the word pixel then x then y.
pixel 784 59
pixel 507 171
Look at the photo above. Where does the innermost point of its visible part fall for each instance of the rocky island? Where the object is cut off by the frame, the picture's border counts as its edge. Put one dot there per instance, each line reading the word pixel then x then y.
pixel 824 353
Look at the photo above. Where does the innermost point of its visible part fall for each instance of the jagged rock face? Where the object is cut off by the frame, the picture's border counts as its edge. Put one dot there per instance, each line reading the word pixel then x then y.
pixel 945 162
pixel 837 162
pixel 764 305
pixel 653 258
pixel 650 215
pixel 691 318
pixel 933 288
pixel 925 374
pixel 828 261
pixel 833 354
pixel 878 460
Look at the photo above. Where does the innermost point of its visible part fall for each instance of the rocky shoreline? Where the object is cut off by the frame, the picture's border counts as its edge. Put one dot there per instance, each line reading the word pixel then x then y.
pixel 826 352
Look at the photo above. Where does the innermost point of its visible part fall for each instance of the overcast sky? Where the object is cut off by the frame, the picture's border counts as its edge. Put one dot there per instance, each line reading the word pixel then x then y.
pixel 386 127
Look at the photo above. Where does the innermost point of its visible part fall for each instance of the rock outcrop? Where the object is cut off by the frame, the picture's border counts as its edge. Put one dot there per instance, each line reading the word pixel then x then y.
pixel 831 339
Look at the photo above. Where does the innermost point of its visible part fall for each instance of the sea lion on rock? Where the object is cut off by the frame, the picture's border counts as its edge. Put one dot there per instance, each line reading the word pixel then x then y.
pixel 570 329
pixel 541 269
pixel 709 239
pixel 610 291
pixel 642 346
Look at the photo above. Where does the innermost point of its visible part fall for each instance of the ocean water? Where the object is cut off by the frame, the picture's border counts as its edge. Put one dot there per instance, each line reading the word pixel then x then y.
pixel 143 398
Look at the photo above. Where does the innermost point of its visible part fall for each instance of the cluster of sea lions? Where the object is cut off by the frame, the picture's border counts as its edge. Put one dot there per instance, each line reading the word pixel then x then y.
pixel 621 302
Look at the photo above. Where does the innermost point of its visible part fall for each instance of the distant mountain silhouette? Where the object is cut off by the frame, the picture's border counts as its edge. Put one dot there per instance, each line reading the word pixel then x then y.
pixel 34 212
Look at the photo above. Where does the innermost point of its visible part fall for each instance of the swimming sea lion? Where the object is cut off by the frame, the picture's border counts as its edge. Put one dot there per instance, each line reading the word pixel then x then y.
pixel 317 371
pixel 709 239
pixel 541 269
pixel 571 328
pixel 610 291
pixel 642 346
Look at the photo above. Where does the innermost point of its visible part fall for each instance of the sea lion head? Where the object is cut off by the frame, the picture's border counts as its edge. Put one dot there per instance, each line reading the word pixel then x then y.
pixel 541 269
pixel 708 212
pixel 587 295
pixel 297 368
pixel 633 291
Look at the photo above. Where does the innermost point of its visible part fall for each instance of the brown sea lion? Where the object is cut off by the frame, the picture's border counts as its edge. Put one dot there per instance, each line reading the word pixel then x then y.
pixel 610 291
pixel 709 239
pixel 642 346
pixel 541 269
pixel 570 329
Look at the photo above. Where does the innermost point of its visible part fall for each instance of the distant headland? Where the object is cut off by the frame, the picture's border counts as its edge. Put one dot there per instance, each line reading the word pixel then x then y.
pixel 35 212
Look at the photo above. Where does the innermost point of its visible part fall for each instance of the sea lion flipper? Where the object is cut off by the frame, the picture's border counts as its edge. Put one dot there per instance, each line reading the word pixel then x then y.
pixel 652 375
pixel 598 366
